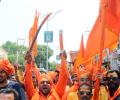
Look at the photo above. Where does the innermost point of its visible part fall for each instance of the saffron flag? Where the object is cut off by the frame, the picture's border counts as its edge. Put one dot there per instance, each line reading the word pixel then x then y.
pixel 101 47
pixel 32 33
pixel 112 16
pixel 112 29
pixel 79 57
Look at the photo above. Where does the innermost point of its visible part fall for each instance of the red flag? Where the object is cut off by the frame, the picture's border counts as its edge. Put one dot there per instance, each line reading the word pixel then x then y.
pixel 79 57
pixel 32 32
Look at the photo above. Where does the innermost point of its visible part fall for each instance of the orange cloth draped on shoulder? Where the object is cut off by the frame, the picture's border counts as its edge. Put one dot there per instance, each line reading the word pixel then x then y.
pixel 7 67
pixel 74 88
pixel 103 93
pixel 73 96
pixel 79 57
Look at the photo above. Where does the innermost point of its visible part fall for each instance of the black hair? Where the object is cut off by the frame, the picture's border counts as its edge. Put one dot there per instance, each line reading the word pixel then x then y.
pixel 74 75
pixel 111 71
pixel 9 90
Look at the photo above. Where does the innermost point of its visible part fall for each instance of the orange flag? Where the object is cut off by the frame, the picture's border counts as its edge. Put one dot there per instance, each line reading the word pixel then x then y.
pixel 79 57
pixel 112 16
pixel 32 32
pixel 101 47
pixel 112 29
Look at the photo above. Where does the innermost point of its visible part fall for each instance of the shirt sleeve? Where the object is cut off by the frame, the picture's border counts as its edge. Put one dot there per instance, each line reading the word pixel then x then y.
pixel 62 81
pixel 29 87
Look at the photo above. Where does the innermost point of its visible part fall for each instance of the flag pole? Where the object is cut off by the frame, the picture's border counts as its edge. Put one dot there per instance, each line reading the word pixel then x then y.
pixel 102 39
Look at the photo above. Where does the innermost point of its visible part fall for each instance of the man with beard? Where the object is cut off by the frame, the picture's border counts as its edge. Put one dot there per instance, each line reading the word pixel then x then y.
pixel 84 93
pixel 113 83
pixel 6 70
pixel 84 79
pixel 45 89
pixel 44 81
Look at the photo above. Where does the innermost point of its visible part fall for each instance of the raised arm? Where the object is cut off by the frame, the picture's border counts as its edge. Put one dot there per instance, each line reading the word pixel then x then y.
pixel 63 76
pixel 28 76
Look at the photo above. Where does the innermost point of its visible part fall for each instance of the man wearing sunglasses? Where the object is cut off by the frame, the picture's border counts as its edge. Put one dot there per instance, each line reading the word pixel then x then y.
pixel 85 92
pixel 113 83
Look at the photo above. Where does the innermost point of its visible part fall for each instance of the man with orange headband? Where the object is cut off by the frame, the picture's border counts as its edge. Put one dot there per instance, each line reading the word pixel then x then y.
pixel 84 77
pixel 6 70
pixel 45 90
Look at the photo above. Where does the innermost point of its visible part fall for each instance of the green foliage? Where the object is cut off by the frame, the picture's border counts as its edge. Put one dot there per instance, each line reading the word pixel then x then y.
pixel 52 66
pixel 12 49
pixel 41 57
pixel 12 58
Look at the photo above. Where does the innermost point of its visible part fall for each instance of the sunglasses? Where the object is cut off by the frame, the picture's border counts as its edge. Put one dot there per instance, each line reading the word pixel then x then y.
pixel 112 78
pixel 83 92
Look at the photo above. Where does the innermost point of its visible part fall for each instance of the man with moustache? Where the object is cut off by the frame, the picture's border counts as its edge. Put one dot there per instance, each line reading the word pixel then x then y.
pixel 113 83
pixel 84 93
pixel 45 91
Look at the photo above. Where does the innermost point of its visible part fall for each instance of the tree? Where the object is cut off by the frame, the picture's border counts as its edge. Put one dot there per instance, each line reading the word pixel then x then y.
pixel 12 48
pixel 52 65
pixel 41 57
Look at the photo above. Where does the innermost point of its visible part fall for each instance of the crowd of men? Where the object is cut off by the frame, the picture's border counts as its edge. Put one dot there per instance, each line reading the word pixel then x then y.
pixel 55 85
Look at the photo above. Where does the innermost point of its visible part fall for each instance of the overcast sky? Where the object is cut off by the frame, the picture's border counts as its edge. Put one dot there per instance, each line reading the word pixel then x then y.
pixel 76 18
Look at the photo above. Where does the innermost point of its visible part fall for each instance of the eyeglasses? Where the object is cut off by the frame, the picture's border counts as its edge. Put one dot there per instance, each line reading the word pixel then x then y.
pixel 83 92
pixel 112 78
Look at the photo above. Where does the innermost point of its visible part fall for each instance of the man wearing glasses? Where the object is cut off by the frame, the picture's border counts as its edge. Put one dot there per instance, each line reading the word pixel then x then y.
pixel 84 93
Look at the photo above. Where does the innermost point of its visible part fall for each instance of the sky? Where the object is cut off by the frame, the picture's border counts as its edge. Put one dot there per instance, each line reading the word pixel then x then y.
pixel 76 17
